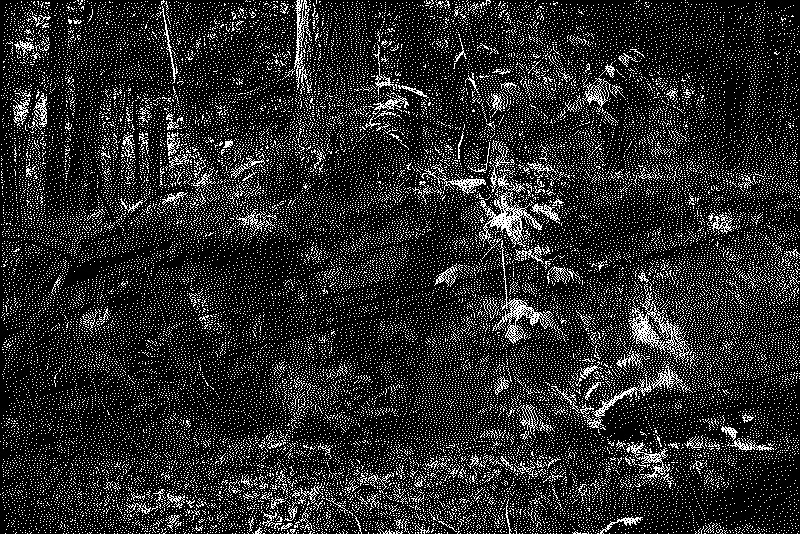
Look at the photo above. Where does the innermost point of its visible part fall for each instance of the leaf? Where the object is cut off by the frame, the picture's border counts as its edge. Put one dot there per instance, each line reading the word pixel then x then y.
pixel 498 102
pixel 533 419
pixel 601 91
pixel 503 99
pixel 578 41
pixel 633 57
pixel 589 392
pixel 455 273
pixel 510 222
pixel 458 58
pixel 563 275
pixel 501 383
pixel 515 333
pixel 588 372
pixel 547 211
pixel 625 521
pixel 518 311
pixel 607 117
pixel 498 437
pixel 548 321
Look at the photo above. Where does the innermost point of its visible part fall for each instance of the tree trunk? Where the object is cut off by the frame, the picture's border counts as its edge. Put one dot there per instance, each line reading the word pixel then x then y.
pixel 55 130
pixel 10 183
pixel 756 77
pixel 157 143
pixel 136 104
pixel 786 95
pixel 84 176
pixel 119 116
pixel 414 27
pixel 23 143
pixel 332 68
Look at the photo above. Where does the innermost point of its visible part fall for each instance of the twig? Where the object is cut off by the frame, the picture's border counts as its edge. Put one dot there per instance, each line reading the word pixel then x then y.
pixel 505 278
pixel 165 16
pixel 344 508
pixel 508 517
pixel 409 506
pixel 126 219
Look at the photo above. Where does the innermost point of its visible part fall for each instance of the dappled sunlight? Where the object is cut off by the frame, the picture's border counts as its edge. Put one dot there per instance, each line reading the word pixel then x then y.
pixel 465 267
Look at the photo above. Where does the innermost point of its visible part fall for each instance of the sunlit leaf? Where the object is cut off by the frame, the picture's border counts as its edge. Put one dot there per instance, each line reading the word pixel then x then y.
pixel 501 383
pixel 625 521
pixel 515 333
pixel 578 41
pixel 533 419
pixel 518 314
pixel 601 91
pixel 547 211
pixel 563 275
pixel 455 273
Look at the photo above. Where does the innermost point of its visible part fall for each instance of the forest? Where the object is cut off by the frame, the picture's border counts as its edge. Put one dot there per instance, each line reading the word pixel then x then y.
pixel 413 266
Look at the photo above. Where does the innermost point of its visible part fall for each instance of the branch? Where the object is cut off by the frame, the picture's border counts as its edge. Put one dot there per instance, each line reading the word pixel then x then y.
pixel 123 222
pixel 345 509
pixel 37 236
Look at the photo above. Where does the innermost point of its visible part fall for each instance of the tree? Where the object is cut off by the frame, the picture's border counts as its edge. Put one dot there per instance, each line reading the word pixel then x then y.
pixel 56 128
pixel 157 142
pixel 332 69
pixel 84 173
pixel 10 184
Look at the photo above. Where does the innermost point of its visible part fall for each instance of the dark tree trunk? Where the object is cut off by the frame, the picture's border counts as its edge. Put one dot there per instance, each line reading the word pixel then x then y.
pixel 749 75
pixel 332 68
pixel 11 210
pixel 789 102
pixel 85 177
pixel 55 130
pixel 136 104
pixel 120 117
pixel 413 28
pixel 157 143
pixel 757 76
pixel 24 140
pixel 333 63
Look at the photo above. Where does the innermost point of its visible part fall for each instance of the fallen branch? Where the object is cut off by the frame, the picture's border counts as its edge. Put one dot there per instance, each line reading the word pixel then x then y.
pixel 347 510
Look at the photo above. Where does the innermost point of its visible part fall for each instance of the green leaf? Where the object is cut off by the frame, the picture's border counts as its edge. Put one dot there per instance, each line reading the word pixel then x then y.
pixel 512 223
pixel 601 91
pixel 501 383
pixel 533 419
pixel 563 275
pixel 515 333
pixel 518 311
pixel 578 41
pixel 547 211
pixel 625 521
pixel 455 273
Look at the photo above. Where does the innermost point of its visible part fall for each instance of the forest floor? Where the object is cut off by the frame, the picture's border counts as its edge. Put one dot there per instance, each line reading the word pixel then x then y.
pixel 184 481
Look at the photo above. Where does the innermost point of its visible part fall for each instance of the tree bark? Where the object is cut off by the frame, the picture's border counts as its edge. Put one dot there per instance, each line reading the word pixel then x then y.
pixel 332 68
pixel 157 143
pixel 55 130
pixel 414 27
pixel 120 117
pixel 136 104
pixel 11 210
pixel 23 143
pixel 756 78
pixel 84 175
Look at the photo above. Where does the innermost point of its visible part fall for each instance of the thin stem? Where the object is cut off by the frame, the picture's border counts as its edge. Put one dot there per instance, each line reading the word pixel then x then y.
pixel 344 508
pixel 503 262
pixel 165 16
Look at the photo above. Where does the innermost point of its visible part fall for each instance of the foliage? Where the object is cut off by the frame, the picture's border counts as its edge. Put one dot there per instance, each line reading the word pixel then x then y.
pixel 480 186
